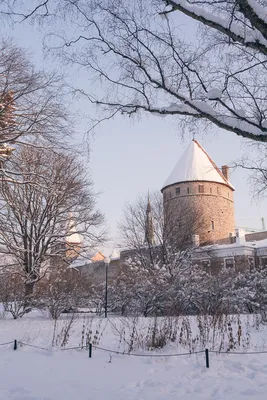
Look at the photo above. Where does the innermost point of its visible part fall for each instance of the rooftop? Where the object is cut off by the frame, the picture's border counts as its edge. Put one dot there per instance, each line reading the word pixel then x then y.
pixel 196 165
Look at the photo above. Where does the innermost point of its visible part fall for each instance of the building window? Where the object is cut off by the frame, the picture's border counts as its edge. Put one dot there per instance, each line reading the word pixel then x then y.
pixel 201 188
pixel 229 262
pixel 219 190
pixel 228 195
pixel 177 191
pixel 188 190
pixel 210 190
pixel 212 225
pixel 263 261
pixel 170 195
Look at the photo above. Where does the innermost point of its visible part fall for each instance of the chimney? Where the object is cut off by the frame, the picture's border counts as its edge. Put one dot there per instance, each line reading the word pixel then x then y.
pixel 232 237
pixel 195 240
pixel 240 236
pixel 225 172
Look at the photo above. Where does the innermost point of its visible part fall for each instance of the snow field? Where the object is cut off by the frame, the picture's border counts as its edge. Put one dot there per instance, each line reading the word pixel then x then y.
pixel 28 374
pixel 34 374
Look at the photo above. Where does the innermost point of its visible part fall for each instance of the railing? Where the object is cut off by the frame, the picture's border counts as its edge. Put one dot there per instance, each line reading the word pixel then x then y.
pixel 92 346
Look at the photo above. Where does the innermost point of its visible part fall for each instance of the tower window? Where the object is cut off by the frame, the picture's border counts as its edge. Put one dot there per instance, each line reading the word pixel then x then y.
pixel 201 188
pixel 210 190
pixel 188 190
pixel 219 190
pixel 212 225
pixel 177 191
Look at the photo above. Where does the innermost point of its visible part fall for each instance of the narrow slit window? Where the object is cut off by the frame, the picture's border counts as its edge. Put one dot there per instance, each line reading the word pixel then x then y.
pixel 188 190
pixel 201 188
pixel 212 225
pixel 177 191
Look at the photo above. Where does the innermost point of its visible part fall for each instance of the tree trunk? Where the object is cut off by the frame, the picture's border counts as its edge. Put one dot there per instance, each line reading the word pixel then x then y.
pixel 28 304
pixel 29 289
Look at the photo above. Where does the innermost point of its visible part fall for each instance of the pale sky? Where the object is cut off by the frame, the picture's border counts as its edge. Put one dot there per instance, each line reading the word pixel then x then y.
pixel 130 156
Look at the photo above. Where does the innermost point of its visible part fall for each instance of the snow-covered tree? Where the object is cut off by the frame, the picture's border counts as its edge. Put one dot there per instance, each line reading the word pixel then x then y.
pixel 30 101
pixel 159 277
pixel 164 277
pixel 203 60
pixel 64 290
pixel 12 294
pixel 172 227
pixel 178 287
pixel 48 194
pixel 250 292
pixel 254 162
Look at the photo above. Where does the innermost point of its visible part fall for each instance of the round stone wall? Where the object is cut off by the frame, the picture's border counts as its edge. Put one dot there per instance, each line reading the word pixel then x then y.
pixel 207 208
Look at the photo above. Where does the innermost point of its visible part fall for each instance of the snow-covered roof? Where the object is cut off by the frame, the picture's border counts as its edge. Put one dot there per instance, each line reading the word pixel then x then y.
pixel 115 255
pixel 79 262
pixel 196 165
pixel 259 243
pixel 97 256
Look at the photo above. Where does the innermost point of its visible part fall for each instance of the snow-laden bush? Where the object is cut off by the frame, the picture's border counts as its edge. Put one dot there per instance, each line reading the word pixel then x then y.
pixel 12 295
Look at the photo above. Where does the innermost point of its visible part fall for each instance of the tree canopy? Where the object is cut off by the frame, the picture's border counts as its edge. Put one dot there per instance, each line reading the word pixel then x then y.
pixel 209 65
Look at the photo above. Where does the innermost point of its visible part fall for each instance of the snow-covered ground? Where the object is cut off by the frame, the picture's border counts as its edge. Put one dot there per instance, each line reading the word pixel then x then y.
pixel 39 375
pixel 35 374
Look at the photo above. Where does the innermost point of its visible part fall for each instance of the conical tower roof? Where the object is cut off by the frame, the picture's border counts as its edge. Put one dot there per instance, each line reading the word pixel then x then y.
pixel 196 165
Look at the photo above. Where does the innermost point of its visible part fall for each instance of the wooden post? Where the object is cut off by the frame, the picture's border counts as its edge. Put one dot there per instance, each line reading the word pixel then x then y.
pixel 207 358
pixel 90 350
pixel 15 344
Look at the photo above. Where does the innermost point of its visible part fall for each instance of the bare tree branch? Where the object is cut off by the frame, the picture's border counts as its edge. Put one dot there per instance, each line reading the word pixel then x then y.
pixel 38 210
pixel 138 59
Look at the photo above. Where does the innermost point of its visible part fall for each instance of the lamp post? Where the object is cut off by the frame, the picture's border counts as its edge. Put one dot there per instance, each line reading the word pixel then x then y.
pixel 107 262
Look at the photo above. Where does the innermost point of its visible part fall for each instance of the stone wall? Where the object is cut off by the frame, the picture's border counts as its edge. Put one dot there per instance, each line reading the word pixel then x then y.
pixel 96 271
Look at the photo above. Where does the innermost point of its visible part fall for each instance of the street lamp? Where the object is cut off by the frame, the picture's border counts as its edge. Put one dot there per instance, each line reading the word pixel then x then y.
pixel 106 262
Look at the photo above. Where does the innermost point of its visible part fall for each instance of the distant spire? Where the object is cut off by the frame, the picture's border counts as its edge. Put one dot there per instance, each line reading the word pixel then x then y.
pixel 148 208
pixel 149 234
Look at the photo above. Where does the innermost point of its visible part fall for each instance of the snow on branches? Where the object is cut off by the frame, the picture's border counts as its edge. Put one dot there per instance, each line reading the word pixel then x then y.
pixel 140 59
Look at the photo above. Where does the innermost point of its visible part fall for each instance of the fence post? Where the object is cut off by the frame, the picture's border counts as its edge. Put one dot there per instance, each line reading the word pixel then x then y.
pixel 90 350
pixel 207 358
pixel 15 344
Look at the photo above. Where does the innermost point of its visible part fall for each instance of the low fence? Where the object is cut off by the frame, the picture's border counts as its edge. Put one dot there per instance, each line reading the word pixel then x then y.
pixel 15 344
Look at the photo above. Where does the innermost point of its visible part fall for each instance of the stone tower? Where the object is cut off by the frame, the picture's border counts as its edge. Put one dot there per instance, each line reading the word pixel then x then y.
pixel 198 199
pixel 149 233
